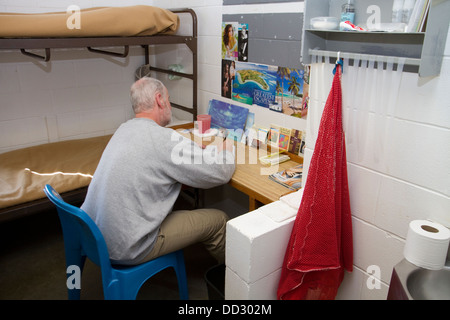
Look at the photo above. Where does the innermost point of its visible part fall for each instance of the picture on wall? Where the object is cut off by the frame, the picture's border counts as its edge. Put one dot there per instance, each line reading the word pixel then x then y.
pixel 305 97
pixel 228 75
pixel 230 40
pixel 254 84
pixel 289 92
pixel 278 88
pixel 235 41
pixel 243 42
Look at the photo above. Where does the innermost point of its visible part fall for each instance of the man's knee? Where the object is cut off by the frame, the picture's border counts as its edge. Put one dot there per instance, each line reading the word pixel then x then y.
pixel 220 218
pixel 222 214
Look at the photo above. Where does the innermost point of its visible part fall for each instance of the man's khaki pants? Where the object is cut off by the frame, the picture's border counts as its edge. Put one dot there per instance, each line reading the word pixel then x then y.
pixel 182 228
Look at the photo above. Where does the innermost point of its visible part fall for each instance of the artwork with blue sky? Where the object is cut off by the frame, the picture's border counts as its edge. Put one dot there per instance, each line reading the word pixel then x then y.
pixel 228 116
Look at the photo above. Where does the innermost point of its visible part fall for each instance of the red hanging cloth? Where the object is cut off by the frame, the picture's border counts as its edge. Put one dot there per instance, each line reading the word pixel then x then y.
pixel 321 243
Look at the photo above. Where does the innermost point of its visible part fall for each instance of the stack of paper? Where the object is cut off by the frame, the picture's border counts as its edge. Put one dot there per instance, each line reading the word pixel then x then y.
pixel 272 159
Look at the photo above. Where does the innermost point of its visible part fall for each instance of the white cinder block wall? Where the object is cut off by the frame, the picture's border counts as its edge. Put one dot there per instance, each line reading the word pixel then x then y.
pixel 79 95
pixel 401 183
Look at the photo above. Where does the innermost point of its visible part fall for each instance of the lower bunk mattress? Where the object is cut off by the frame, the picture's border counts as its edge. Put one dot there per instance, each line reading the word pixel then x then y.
pixel 66 165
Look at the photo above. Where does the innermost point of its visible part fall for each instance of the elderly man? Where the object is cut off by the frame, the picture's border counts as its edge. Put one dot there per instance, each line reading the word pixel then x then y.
pixel 137 182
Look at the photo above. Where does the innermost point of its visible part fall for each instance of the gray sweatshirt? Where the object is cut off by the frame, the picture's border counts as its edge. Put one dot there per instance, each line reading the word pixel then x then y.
pixel 138 180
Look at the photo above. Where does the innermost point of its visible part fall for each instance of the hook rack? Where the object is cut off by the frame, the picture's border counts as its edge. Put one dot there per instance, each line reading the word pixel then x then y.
pixel 348 55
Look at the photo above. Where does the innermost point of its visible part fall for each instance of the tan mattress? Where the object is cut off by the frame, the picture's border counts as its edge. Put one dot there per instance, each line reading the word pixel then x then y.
pixel 66 165
pixel 137 20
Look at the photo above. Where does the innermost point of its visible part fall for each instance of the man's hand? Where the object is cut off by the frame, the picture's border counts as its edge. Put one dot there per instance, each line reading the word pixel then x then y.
pixel 227 145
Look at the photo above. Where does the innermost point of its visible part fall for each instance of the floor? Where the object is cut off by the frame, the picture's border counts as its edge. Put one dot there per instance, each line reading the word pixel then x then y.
pixel 32 266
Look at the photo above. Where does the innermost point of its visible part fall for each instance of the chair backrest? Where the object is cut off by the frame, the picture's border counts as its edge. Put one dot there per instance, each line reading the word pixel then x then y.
pixel 80 231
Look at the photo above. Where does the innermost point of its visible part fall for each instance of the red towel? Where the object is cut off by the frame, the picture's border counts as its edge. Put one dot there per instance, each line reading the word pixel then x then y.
pixel 321 242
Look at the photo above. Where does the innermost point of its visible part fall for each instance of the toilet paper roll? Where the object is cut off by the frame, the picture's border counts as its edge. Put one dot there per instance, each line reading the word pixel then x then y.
pixel 427 244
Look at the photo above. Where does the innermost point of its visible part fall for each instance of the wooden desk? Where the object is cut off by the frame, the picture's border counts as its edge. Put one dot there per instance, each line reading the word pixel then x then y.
pixel 251 177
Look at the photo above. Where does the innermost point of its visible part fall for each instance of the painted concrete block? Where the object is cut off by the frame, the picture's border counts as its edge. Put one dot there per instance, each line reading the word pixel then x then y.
pixel 256 244
pixel 263 289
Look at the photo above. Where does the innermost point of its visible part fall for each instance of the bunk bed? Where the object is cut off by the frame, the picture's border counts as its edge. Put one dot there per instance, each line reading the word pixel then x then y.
pixel 24 172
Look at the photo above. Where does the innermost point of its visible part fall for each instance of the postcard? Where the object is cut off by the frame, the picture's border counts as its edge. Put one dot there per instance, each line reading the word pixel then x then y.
pixel 284 138
pixel 230 40
pixel 295 141
pixel 243 42
pixel 250 78
pixel 228 116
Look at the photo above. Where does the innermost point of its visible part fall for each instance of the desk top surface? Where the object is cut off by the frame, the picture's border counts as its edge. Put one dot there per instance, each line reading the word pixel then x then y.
pixel 252 177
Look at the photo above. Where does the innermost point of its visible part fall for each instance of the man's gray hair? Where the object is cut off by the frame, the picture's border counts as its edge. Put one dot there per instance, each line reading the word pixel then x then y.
pixel 143 93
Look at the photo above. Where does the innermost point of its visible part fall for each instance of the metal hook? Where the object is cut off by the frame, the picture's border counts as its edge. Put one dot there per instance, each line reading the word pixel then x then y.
pixel 338 61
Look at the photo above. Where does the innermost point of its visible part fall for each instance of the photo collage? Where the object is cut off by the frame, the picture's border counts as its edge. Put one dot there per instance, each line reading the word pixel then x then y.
pixel 280 89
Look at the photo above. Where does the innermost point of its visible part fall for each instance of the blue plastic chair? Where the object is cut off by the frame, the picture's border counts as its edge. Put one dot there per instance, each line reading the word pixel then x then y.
pixel 82 238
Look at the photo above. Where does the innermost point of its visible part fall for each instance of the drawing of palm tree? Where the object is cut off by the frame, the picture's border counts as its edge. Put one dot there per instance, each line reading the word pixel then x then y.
pixel 283 73
pixel 279 89
pixel 294 88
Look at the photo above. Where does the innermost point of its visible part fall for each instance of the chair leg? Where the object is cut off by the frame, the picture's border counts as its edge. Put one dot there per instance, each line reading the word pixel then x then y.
pixel 180 271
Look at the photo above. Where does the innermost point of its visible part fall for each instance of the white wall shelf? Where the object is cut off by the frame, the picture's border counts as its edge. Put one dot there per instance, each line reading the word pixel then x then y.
pixel 426 47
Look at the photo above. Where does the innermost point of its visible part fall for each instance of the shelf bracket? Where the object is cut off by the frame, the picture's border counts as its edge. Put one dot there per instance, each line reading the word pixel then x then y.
pixel 110 53
pixel 37 56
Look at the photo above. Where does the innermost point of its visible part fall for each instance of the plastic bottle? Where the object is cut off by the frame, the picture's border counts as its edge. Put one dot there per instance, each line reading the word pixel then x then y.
pixel 348 11
pixel 397 11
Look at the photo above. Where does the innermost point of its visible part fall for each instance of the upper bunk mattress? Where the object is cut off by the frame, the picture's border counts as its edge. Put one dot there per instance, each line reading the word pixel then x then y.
pixel 139 20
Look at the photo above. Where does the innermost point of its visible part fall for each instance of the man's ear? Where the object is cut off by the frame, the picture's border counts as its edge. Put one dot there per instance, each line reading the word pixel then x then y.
pixel 159 100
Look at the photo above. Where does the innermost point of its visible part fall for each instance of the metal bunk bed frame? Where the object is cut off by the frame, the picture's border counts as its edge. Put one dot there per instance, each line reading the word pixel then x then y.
pixel 91 43
pixel 24 44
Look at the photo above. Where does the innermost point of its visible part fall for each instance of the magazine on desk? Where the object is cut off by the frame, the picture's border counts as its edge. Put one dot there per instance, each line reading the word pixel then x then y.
pixel 290 178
